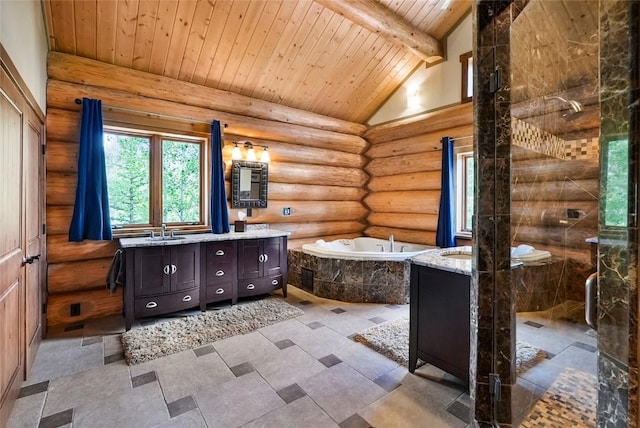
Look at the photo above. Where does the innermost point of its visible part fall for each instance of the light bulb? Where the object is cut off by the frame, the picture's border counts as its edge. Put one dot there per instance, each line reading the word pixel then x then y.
pixel 264 157
pixel 251 154
pixel 236 154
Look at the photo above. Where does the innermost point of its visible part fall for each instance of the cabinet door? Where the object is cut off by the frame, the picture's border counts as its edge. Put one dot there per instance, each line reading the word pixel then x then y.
pixel 272 256
pixel 152 271
pixel 249 258
pixel 185 267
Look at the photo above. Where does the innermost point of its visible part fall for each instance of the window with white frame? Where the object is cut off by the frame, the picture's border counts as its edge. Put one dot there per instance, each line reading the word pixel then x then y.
pixel 154 178
pixel 464 168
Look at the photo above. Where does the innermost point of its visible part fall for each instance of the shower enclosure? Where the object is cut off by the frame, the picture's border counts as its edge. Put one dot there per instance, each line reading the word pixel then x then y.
pixel 556 127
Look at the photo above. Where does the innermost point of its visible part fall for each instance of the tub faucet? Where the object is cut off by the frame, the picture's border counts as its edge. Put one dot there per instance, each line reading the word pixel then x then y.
pixel 392 244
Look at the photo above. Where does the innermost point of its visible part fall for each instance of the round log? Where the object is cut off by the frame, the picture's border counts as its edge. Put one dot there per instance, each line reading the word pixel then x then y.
pixel 423 202
pixel 429 180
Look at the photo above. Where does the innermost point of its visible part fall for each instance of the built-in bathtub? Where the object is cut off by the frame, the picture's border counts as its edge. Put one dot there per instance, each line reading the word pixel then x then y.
pixel 355 270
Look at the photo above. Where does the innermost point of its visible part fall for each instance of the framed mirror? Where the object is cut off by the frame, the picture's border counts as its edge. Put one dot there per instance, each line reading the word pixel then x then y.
pixel 249 182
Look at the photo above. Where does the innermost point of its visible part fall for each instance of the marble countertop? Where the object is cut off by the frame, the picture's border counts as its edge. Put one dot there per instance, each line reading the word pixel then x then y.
pixel 454 259
pixel 201 237
pixel 449 259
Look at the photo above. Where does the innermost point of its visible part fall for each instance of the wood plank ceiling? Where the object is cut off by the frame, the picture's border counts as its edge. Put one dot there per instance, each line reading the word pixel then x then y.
pixel 296 53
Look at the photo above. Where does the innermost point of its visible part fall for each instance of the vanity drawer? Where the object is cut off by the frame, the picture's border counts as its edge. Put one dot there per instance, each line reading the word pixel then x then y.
pixel 250 287
pixel 219 292
pixel 218 275
pixel 221 252
pixel 156 305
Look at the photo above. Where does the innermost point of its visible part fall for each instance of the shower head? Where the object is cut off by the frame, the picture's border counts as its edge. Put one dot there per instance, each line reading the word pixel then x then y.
pixel 573 105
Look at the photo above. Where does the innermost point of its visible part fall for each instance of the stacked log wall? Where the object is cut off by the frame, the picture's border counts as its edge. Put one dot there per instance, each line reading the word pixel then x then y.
pixel 316 169
pixel 405 164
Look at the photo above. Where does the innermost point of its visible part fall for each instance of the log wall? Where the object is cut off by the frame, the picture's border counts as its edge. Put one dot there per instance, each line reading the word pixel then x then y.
pixel 405 163
pixel 316 169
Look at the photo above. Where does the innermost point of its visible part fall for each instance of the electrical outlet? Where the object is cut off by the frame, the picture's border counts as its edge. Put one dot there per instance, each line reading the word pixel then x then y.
pixel 74 309
pixel 286 211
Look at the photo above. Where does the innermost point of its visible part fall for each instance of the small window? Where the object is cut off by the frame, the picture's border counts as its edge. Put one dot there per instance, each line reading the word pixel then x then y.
pixel 616 192
pixel 154 178
pixel 464 166
pixel 466 61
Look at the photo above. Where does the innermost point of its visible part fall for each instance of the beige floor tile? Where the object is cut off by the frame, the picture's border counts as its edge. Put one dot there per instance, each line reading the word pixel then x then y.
pixel 291 365
pixel 237 402
pixel 405 408
pixel 300 413
pixel 341 391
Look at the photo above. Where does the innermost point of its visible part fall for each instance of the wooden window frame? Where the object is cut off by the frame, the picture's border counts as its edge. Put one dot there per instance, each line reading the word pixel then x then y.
pixel 156 139
pixel 462 154
pixel 464 60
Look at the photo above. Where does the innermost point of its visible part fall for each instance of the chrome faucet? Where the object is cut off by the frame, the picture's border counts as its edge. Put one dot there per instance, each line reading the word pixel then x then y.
pixel 402 247
pixel 163 229
pixel 392 244
pixel 381 247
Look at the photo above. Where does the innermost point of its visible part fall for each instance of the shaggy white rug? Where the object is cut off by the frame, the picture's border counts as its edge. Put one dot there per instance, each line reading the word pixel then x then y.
pixel 391 339
pixel 157 340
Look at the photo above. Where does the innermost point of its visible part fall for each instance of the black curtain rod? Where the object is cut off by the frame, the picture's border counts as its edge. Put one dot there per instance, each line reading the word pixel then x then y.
pixel 79 101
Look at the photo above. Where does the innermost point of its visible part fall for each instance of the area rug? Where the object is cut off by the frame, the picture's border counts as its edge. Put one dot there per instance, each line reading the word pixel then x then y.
pixel 391 339
pixel 165 338
pixel 569 402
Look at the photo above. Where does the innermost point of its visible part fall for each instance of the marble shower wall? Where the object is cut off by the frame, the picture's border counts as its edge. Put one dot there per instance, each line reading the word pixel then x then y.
pixel 618 245
pixel 492 302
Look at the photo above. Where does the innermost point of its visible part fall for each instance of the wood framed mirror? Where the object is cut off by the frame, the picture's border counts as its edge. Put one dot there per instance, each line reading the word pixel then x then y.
pixel 249 184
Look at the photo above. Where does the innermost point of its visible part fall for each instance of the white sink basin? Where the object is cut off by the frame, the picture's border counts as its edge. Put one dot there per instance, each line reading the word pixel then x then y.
pixel 459 255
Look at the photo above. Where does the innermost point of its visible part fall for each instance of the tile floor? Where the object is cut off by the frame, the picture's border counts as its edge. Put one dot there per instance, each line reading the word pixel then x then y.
pixel 304 372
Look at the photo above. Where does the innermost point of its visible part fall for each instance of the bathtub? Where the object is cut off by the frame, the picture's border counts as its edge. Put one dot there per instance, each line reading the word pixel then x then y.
pixel 365 249
pixel 354 270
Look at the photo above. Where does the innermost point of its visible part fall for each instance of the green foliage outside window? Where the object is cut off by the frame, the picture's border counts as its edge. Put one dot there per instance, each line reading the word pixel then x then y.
pixel 616 194
pixel 469 192
pixel 180 182
pixel 127 162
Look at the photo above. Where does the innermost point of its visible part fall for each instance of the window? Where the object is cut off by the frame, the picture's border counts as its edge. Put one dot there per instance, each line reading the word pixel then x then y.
pixel 616 192
pixel 466 61
pixel 464 166
pixel 154 178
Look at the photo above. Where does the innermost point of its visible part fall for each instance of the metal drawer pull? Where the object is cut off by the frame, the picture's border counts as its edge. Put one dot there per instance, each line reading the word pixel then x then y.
pixel 250 287
pixel 165 269
pixel 174 268
pixel 220 273
pixel 220 291
pixel 186 298
pixel 266 257
pixel 151 305
pixel 261 258
pixel 219 253
pixel 274 282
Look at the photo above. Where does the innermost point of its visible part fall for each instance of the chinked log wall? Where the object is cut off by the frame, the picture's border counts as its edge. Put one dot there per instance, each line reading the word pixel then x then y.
pixel 317 167
pixel 405 166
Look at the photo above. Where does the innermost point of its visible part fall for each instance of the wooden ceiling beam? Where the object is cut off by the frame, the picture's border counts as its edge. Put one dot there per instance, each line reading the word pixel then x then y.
pixel 378 19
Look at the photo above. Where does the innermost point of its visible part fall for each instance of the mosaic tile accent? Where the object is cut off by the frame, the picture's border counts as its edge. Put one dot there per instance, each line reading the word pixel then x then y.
pixel 533 138
pixel 569 402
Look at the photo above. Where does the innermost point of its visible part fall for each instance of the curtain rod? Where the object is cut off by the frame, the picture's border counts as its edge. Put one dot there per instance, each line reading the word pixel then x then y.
pixel 79 101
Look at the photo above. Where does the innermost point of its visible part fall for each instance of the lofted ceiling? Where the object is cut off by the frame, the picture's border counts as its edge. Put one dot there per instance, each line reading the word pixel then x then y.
pixel 341 59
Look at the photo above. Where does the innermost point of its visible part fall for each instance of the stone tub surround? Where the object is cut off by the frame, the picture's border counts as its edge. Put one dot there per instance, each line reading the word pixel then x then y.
pixel 202 237
pixel 356 281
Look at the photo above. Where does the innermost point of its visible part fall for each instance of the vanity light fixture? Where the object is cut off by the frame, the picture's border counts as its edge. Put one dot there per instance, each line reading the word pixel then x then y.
pixel 250 156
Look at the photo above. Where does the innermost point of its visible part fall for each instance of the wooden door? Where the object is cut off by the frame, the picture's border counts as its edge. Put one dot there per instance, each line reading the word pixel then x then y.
pixel 152 270
pixel 33 196
pixel 249 260
pixel 11 248
pixel 273 255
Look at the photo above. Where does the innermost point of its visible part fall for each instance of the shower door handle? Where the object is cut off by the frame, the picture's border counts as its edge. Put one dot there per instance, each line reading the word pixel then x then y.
pixel 591 300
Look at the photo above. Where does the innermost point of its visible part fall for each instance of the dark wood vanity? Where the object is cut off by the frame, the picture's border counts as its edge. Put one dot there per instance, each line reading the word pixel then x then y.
pixel 195 270
pixel 439 320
